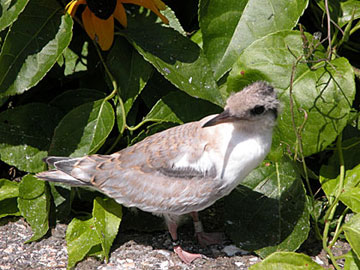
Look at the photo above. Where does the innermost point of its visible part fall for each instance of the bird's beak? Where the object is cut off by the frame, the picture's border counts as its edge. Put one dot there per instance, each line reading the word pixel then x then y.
pixel 223 117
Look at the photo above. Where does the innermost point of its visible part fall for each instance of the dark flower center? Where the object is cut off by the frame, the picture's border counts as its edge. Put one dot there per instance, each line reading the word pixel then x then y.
pixel 102 9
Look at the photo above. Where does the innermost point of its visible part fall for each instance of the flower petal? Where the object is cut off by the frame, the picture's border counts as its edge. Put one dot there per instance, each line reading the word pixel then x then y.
pixel 104 31
pixel 148 4
pixel 88 22
pixel 120 14
pixel 72 6
pixel 160 4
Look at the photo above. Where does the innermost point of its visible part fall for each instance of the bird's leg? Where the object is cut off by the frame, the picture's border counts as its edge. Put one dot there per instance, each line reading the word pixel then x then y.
pixel 204 238
pixel 185 256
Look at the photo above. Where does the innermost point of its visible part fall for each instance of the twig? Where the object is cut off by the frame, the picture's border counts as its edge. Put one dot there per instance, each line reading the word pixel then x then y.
pixel 328 29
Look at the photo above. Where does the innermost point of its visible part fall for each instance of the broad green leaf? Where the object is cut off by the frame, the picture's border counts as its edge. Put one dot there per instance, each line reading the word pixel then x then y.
pixel 268 211
pixel 9 11
pixel 73 98
pixel 325 91
pixel 9 207
pixel 8 189
pixel 25 135
pixel 156 88
pixel 178 107
pixel 80 237
pixel 83 130
pixel 32 45
pixel 197 38
pixel 342 11
pixel 352 261
pixel 329 179
pixel 352 233
pixel 173 20
pixel 74 62
pixel 287 261
pixel 228 28
pixel 34 205
pixel 349 8
pixel 176 57
pixel 351 198
pixel 107 215
pixel 63 196
pixel 129 69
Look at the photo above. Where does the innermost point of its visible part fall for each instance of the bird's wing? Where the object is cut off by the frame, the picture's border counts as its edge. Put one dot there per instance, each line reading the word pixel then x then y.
pixel 159 174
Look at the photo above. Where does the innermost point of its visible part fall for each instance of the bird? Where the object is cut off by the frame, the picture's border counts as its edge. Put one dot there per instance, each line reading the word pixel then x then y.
pixel 184 169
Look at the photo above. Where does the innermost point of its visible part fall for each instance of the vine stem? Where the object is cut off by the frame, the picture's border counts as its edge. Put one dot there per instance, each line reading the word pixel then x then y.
pixel 331 211
pixel 328 29
pixel 121 103
pixel 299 142
pixel 338 229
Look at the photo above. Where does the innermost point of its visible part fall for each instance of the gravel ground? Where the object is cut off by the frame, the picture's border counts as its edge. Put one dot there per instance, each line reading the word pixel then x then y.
pixel 131 250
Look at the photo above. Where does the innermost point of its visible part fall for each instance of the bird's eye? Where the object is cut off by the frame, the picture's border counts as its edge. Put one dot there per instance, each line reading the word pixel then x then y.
pixel 257 110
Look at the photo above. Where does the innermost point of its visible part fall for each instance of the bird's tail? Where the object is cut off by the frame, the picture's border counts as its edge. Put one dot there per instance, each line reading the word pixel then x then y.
pixel 63 175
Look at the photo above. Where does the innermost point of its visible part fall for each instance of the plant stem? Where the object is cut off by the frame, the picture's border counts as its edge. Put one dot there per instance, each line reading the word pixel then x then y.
pixel 331 211
pixel 299 143
pixel 338 229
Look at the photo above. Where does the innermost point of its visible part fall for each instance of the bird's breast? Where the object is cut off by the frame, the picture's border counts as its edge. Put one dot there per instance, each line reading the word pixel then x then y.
pixel 237 153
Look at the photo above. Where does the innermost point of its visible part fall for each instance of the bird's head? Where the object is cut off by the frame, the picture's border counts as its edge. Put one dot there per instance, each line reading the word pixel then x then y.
pixel 256 102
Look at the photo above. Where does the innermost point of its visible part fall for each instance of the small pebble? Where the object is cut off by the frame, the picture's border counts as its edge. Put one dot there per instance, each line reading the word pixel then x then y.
pixel 318 260
pixel 238 264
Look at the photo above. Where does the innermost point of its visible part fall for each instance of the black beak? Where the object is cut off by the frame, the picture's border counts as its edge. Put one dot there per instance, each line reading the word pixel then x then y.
pixel 223 117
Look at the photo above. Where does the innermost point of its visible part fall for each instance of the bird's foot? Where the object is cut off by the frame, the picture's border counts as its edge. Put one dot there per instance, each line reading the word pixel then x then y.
pixel 206 239
pixel 185 256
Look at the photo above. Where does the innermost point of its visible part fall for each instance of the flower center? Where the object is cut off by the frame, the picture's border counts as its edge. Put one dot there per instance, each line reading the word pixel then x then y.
pixel 102 9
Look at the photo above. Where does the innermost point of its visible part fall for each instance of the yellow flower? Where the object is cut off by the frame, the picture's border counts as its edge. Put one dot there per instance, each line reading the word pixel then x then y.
pixel 98 16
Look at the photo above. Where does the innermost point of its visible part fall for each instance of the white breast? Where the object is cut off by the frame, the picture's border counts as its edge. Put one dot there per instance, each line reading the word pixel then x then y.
pixel 233 152
pixel 241 152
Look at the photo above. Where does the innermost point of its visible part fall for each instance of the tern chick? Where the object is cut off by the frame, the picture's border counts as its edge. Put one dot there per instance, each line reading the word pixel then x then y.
pixel 184 169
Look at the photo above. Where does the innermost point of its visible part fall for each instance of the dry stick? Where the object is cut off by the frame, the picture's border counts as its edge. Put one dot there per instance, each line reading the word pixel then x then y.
pixel 328 29
pixel 299 139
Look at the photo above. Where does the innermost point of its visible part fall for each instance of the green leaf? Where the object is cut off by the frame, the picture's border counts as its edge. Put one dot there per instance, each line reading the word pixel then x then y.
pixel 348 8
pixel 8 189
pixel 9 11
pixel 83 130
pixel 227 29
pixel 173 20
pixel 34 205
pixel 341 11
pixel 93 235
pixel 63 196
pixel 352 261
pixel 178 107
pixel 129 69
pixel 272 195
pixel 73 98
pixel 325 91
pixel 287 261
pixel 9 207
pixel 107 215
pixel 329 179
pixel 32 45
pixel 74 62
pixel 352 233
pixel 197 38
pixel 351 198
pixel 25 135
pixel 80 237
pixel 176 57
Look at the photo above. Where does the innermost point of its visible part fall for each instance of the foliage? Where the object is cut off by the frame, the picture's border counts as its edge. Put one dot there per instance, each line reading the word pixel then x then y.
pixel 61 95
